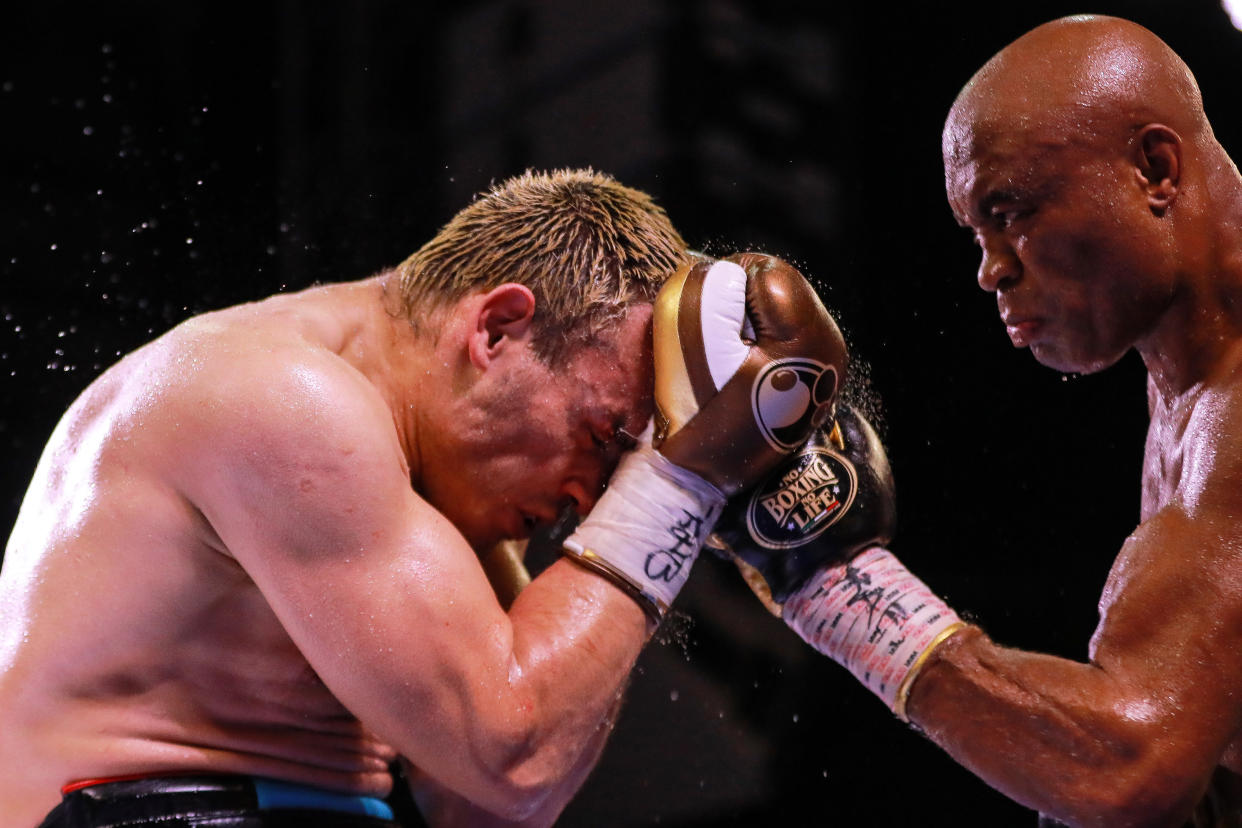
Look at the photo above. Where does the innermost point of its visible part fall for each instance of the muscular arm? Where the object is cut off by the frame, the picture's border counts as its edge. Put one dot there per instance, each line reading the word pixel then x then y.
pixel 441 807
pixel 508 576
pixel 1132 736
pixel 308 491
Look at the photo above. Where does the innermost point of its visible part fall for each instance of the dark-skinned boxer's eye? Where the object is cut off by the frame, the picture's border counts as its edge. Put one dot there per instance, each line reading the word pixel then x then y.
pixel 1005 218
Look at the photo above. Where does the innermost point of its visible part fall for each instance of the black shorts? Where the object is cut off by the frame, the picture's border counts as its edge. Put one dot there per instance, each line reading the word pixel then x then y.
pixel 215 802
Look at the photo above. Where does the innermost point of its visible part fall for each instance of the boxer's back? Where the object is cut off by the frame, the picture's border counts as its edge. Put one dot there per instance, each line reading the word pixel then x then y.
pixel 130 640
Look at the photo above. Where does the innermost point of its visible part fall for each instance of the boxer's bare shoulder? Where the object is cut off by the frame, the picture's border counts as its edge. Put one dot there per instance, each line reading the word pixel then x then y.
pixel 118 533
pixel 1192 452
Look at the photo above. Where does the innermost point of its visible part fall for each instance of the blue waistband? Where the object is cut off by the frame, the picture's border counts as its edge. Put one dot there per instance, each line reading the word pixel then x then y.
pixel 273 793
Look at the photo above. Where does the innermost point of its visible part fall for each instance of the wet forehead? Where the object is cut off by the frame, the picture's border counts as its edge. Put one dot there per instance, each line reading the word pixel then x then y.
pixel 1055 99
pixel 615 377
pixel 980 162
pixel 999 156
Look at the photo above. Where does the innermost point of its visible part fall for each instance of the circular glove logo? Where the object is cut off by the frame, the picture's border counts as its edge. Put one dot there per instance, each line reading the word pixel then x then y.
pixel 798 503
pixel 790 397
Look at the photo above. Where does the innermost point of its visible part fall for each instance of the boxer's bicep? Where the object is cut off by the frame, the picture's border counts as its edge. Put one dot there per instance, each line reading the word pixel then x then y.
pixel 1171 619
pixel 1171 611
pixel 386 600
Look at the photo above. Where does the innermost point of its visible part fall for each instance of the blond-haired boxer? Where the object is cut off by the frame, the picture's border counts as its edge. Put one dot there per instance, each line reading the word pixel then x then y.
pixel 246 576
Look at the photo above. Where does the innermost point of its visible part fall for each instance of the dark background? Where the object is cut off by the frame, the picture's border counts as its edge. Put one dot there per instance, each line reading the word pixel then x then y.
pixel 161 159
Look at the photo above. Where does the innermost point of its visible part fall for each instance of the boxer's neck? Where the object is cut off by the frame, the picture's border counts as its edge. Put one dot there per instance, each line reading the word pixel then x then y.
pixel 370 332
pixel 1195 340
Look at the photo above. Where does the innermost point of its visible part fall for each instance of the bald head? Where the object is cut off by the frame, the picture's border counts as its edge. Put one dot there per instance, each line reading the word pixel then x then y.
pixel 1080 158
pixel 1083 78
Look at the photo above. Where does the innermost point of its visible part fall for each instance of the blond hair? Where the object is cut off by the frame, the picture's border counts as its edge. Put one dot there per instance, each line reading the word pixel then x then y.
pixel 586 246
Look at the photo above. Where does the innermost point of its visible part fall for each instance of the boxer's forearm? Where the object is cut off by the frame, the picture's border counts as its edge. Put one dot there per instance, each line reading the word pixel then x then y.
pixel 556 800
pixel 576 638
pixel 441 808
pixel 509 577
pixel 1054 734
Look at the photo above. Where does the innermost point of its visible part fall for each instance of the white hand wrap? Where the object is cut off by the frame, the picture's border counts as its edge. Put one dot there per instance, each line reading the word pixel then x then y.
pixel 876 619
pixel 647 528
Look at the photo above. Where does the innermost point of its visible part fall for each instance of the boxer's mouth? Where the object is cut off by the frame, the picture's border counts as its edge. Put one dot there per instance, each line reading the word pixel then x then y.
pixel 1022 331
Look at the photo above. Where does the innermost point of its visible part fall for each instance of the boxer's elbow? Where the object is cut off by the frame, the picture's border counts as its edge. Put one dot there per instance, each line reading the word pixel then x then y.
pixel 1146 779
pixel 1155 798
pixel 1155 803
pixel 521 782
pixel 523 760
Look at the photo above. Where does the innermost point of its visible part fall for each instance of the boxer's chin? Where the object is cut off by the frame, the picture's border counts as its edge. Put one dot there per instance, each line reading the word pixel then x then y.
pixel 1059 359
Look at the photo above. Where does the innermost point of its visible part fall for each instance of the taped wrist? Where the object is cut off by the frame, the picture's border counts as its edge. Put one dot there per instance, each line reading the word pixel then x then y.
pixel 876 619
pixel 646 530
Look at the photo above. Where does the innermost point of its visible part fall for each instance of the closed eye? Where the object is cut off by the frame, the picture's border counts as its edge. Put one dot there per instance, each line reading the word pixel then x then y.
pixel 614 439
pixel 627 441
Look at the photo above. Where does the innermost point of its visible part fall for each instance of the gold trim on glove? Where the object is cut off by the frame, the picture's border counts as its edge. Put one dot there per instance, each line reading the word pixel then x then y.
pixel 673 390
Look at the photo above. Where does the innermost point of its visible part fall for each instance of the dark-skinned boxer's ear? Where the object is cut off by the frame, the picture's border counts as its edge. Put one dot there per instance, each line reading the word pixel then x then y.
pixel 505 315
pixel 1158 163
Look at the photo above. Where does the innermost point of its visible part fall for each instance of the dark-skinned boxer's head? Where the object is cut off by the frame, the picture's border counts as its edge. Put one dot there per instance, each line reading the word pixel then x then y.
pixel 1080 157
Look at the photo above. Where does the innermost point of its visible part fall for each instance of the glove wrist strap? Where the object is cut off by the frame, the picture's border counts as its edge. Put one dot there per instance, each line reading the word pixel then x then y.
pixel 876 619
pixel 647 528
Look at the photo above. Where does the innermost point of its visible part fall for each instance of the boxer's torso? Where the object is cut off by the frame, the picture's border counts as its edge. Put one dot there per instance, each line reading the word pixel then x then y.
pixel 131 641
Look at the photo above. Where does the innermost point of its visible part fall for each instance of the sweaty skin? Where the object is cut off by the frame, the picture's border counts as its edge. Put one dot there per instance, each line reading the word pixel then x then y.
pixel 272 512
pixel 1110 218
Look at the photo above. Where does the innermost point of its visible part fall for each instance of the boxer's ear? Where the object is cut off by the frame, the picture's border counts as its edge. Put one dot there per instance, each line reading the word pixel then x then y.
pixel 1158 165
pixel 504 316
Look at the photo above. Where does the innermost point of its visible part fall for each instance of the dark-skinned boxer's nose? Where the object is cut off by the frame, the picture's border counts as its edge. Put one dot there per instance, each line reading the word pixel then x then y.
pixel 999 265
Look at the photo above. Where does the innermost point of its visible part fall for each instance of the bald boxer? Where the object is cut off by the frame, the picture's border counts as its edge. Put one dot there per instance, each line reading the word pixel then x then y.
pixel 248 575
pixel 1109 218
